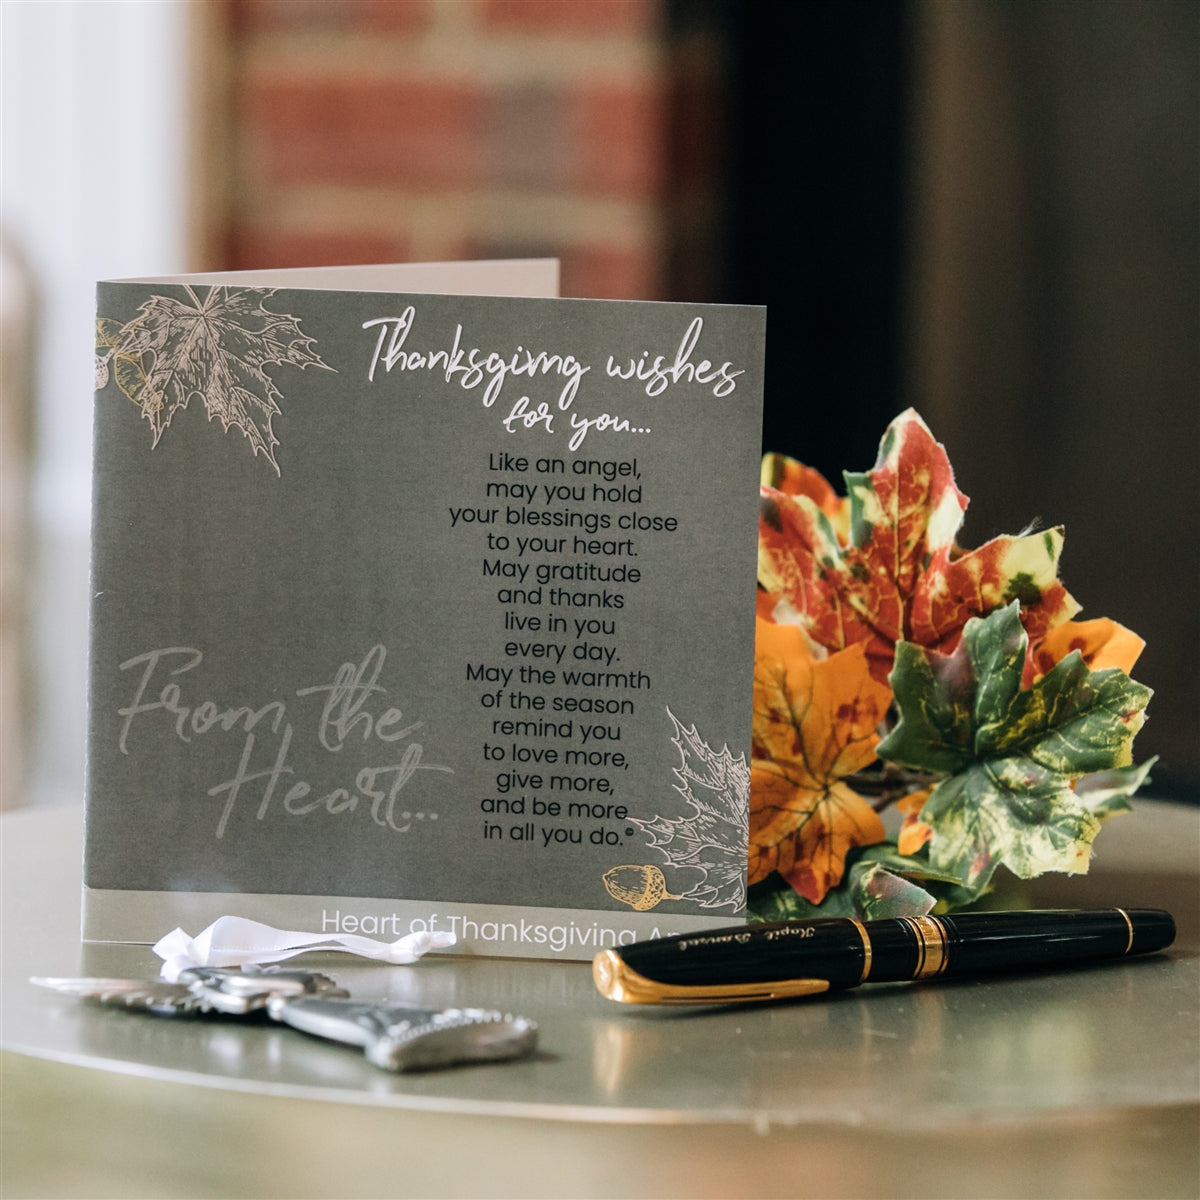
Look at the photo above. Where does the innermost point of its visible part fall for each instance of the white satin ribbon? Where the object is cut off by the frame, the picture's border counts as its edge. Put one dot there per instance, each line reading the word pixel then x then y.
pixel 237 941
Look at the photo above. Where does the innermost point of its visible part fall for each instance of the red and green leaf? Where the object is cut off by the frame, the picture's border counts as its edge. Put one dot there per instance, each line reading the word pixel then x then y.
pixel 794 478
pixel 899 575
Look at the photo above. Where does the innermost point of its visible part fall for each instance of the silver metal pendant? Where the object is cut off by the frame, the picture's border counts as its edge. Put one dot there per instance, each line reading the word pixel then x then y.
pixel 201 990
pixel 395 1037
pixel 150 995
pixel 400 1038
pixel 237 993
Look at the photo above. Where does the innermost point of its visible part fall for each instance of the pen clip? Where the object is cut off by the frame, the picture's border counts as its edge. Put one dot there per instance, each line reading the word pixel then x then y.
pixel 618 981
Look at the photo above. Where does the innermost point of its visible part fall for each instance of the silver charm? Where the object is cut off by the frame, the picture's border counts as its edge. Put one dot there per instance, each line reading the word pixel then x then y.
pixel 150 995
pixel 395 1037
pixel 201 990
pixel 237 993
pixel 400 1038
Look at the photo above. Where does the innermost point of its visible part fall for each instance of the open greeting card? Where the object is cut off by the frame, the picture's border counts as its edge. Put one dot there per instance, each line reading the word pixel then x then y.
pixel 422 599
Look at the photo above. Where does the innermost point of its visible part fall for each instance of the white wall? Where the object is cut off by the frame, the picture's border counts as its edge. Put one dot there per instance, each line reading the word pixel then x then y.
pixel 92 179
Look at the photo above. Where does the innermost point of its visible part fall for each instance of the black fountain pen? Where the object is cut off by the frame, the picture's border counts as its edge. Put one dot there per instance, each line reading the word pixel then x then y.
pixel 774 961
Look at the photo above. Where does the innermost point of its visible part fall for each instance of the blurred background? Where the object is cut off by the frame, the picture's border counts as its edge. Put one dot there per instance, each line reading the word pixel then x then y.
pixel 986 209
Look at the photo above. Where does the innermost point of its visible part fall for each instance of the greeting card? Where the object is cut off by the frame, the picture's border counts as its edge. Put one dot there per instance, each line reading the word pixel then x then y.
pixel 421 609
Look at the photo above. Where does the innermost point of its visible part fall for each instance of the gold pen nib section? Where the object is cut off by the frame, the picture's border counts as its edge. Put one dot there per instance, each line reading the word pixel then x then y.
pixel 618 981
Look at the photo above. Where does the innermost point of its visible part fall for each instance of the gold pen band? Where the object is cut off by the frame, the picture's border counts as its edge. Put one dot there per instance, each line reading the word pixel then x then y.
pixel 618 981
pixel 866 941
pixel 1129 926
pixel 930 933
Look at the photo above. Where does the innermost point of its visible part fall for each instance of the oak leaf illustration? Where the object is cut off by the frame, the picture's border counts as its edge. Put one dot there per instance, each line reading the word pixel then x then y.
pixel 814 724
pixel 711 837
pixel 899 575
pixel 1012 757
pixel 216 348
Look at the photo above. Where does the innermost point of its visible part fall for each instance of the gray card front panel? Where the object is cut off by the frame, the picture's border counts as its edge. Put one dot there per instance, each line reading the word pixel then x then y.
pixel 363 625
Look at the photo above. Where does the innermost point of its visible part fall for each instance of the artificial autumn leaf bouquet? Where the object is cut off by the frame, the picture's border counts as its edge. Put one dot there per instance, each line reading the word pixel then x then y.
pixel 893 667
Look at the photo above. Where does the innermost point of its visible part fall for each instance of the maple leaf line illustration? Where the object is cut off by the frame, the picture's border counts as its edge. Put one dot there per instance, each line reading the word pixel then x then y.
pixel 711 839
pixel 216 348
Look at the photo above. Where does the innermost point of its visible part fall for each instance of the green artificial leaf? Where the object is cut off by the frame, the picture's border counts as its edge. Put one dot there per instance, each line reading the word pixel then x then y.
pixel 1012 755
pixel 774 899
pixel 1106 793
pixel 880 893
pixel 870 892
pixel 915 869
pixel 931 890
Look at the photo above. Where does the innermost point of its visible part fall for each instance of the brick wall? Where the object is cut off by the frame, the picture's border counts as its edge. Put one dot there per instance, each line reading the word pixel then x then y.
pixel 420 130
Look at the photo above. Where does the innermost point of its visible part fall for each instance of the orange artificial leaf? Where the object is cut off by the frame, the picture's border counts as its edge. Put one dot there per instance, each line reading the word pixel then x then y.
pixel 900 576
pixel 1102 643
pixel 814 724
pixel 765 604
pixel 914 833
pixel 805 835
